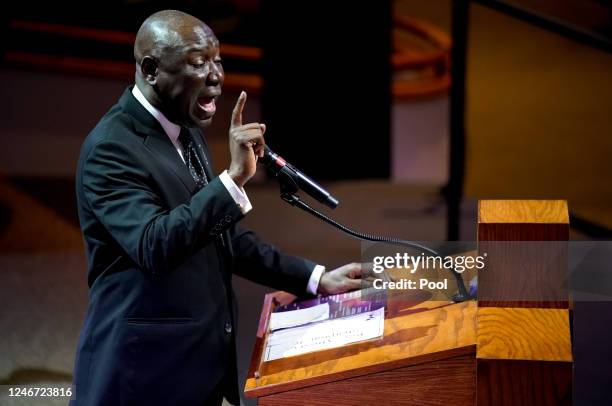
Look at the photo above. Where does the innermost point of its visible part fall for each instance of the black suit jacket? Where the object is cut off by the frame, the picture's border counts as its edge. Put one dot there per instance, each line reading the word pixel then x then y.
pixel 159 328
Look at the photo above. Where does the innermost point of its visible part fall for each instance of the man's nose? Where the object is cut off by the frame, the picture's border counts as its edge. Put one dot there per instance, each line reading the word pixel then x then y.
pixel 214 76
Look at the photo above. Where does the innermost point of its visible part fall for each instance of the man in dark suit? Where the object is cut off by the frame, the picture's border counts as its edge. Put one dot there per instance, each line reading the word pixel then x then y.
pixel 161 235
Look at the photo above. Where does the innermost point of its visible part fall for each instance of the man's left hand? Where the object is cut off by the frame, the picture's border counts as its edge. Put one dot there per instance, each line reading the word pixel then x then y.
pixel 348 277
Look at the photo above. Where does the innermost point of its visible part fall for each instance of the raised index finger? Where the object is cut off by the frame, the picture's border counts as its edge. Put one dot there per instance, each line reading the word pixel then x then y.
pixel 237 112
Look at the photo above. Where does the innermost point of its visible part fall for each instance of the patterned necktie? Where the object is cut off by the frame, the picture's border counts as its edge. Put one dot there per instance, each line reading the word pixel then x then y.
pixel 192 159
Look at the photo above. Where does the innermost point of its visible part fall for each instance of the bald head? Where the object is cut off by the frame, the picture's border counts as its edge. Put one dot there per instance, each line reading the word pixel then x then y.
pixel 166 30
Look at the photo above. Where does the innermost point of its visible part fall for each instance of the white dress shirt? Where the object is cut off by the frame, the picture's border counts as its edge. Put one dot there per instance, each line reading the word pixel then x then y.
pixel 238 194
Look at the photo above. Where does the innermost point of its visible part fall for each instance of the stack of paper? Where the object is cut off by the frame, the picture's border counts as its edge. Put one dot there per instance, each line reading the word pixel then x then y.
pixel 299 317
pixel 324 334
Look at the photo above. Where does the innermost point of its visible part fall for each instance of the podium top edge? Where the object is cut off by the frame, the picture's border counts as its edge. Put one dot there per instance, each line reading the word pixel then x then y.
pixel 523 212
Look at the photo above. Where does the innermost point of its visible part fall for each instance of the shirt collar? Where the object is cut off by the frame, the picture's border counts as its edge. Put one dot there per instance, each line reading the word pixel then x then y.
pixel 171 129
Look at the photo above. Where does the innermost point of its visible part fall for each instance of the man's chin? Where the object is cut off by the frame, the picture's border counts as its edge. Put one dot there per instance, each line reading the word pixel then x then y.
pixel 206 122
pixel 202 122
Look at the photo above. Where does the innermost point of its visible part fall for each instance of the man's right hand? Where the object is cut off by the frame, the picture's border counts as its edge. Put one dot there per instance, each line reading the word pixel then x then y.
pixel 246 143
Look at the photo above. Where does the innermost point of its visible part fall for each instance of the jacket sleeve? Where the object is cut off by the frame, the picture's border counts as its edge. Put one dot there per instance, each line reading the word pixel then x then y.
pixel 265 264
pixel 123 197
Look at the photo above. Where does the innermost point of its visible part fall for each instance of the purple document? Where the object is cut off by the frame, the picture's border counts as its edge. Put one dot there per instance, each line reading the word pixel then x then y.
pixel 343 304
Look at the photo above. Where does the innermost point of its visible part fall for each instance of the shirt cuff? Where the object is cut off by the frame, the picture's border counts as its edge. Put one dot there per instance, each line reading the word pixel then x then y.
pixel 238 194
pixel 315 278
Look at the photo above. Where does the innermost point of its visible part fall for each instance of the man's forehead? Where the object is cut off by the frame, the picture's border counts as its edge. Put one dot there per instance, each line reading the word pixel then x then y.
pixel 199 37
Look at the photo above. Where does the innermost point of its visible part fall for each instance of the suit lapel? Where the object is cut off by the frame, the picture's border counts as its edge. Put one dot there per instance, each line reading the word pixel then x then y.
pixel 156 139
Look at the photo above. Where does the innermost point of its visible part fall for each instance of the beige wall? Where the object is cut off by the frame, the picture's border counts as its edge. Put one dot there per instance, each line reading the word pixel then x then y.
pixel 539 113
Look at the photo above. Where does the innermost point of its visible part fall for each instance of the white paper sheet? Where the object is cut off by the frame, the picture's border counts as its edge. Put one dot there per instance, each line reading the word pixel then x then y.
pixel 325 334
pixel 299 317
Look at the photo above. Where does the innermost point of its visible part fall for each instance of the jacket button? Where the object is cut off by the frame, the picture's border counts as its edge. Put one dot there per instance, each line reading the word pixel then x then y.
pixel 228 328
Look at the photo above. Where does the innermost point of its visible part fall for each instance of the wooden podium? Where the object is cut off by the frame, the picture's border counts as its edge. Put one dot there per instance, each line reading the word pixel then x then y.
pixel 441 353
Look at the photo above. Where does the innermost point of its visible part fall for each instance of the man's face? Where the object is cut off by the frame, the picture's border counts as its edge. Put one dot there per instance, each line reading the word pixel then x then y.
pixel 190 78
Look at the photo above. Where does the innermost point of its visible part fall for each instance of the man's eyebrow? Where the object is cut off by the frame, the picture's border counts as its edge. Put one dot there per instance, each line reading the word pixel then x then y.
pixel 195 48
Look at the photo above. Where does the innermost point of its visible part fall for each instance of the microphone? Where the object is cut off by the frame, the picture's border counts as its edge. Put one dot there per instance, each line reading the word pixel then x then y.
pixel 288 174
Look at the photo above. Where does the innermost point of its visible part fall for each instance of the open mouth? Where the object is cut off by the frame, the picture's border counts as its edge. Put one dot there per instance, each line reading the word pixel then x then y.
pixel 207 103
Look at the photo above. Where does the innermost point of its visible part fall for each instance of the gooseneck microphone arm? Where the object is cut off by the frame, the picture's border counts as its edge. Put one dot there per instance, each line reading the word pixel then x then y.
pixel 289 187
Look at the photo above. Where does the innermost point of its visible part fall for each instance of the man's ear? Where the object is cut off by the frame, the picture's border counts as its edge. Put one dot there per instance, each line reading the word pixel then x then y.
pixel 149 69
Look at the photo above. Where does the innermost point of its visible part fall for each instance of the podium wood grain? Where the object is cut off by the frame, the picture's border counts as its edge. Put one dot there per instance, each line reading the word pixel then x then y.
pixel 524 356
pixel 523 334
pixel 524 352
pixel 439 383
pixel 523 212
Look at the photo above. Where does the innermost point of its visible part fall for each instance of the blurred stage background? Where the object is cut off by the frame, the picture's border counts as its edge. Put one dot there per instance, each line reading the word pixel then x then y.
pixel 370 118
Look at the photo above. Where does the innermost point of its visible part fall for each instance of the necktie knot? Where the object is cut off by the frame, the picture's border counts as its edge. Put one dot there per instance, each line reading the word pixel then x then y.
pixel 185 139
